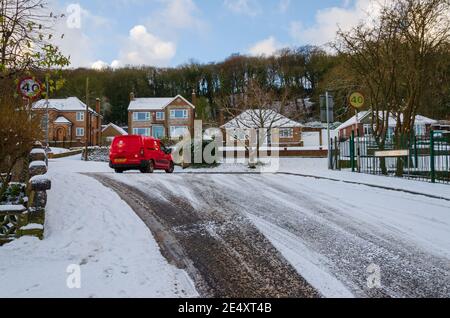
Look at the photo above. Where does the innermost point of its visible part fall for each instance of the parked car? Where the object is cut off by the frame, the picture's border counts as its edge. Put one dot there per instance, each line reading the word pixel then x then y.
pixel 145 154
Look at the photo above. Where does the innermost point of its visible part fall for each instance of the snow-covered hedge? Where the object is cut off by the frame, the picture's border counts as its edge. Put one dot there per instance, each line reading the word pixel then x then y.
pixel 22 209
pixel 100 154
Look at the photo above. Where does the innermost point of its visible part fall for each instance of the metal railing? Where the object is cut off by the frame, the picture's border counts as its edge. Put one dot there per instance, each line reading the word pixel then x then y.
pixel 424 158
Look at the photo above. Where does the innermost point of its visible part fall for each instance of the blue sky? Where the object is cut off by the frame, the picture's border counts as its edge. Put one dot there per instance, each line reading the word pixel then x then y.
pixel 171 32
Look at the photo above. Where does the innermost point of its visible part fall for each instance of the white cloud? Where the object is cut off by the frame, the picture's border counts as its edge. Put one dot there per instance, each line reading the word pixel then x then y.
pixel 144 48
pixel 247 7
pixel 284 5
pixel 99 65
pixel 176 16
pixel 71 38
pixel 265 47
pixel 329 20
pixel 115 64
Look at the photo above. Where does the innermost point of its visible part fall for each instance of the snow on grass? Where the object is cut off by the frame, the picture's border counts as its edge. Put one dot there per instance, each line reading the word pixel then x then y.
pixel 56 150
pixel 90 226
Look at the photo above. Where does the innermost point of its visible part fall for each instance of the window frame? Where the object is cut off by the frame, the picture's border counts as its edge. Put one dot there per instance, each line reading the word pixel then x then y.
pixel 178 126
pixel 149 130
pixel 81 117
pixel 174 111
pixel 77 134
pixel 160 118
pixel 288 136
pixel 147 116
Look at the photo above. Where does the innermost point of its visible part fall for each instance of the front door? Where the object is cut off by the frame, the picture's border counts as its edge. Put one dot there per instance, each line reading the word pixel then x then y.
pixel 60 134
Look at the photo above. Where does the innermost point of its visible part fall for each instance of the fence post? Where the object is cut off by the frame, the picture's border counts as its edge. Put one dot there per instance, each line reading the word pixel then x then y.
pixel 352 151
pixel 337 153
pixel 432 154
pixel 416 154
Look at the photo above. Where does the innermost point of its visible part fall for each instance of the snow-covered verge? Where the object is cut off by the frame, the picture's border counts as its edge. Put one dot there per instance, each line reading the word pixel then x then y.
pixel 317 167
pixel 89 226
pixel 57 151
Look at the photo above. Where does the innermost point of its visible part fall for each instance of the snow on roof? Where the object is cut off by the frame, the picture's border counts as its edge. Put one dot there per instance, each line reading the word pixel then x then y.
pixel 254 118
pixel 62 120
pixel 63 105
pixel 119 129
pixel 420 120
pixel 154 103
pixel 318 124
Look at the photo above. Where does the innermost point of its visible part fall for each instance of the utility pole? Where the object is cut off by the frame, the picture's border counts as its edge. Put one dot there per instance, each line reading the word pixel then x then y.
pixel 328 129
pixel 86 117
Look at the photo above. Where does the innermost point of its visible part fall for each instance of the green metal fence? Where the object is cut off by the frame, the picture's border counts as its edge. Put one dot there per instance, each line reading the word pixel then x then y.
pixel 414 157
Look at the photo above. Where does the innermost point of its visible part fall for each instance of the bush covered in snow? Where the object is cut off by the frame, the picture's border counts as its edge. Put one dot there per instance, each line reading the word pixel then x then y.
pixel 100 154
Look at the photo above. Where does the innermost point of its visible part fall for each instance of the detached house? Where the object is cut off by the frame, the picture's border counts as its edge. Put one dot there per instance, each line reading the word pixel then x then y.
pixel 67 122
pixel 422 125
pixel 168 117
pixel 290 131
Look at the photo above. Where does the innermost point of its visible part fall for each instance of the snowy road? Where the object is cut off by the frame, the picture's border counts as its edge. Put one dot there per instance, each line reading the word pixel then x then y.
pixel 331 233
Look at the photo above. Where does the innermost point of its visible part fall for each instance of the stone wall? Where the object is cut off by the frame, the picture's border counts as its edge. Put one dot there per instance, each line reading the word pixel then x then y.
pixel 28 219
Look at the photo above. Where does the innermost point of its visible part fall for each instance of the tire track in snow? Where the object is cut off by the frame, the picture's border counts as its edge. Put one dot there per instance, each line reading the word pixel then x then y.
pixel 220 248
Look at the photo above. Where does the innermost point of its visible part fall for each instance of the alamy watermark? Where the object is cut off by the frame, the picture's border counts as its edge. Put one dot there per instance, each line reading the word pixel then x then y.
pixel 374 278
pixel 73 16
pixel 73 280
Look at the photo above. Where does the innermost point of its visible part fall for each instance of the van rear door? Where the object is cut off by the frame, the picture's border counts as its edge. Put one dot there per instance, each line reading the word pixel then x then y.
pixel 126 149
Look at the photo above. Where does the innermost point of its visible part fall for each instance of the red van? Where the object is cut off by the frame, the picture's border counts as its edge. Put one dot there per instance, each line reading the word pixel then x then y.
pixel 140 153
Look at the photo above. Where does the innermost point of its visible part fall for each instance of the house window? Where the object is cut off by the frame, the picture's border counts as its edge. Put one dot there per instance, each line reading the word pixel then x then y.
pixel 368 130
pixel 179 114
pixel 286 133
pixel 141 116
pixel 80 116
pixel 178 131
pixel 390 133
pixel 80 132
pixel 142 131
pixel 420 130
pixel 158 132
pixel 160 116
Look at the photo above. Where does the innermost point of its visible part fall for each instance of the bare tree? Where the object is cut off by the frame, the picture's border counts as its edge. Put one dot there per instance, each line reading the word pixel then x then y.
pixel 26 34
pixel 257 109
pixel 394 60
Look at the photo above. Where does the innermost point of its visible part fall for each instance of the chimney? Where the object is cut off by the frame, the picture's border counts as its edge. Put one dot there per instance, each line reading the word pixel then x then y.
pixel 194 98
pixel 131 96
pixel 98 139
pixel 97 106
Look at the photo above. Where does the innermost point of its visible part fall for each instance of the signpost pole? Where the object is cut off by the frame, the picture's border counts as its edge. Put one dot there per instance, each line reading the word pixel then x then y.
pixel 358 149
pixel 46 114
pixel 328 129
pixel 86 117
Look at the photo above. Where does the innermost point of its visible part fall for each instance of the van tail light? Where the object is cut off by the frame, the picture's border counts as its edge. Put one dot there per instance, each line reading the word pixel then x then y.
pixel 142 152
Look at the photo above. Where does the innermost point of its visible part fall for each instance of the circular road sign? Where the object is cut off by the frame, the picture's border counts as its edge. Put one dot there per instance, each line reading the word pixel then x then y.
pixel 30 88
pixel 357 100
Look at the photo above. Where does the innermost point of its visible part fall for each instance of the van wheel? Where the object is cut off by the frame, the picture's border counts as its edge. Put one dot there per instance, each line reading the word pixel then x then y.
pixel 118 170
pixel 171 168
pixel 149 168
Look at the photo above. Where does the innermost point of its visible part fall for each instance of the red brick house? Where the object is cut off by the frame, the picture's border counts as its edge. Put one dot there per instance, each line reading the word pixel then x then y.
pixel 109 132
pixel 67 122
pixel 422 125
pixel 160 117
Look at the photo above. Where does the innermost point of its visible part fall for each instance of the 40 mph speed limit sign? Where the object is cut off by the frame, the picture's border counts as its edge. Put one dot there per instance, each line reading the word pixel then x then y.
pixel 30 88
pixel 357 100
